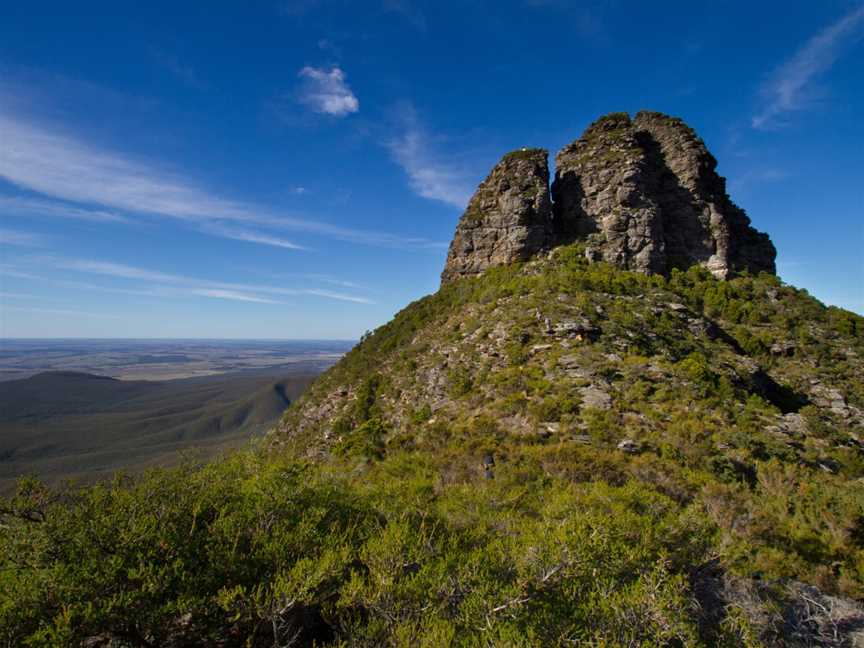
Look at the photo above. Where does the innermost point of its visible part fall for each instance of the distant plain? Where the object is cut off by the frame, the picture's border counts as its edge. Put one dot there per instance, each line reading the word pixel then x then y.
pixel 163 359
pixel 83 409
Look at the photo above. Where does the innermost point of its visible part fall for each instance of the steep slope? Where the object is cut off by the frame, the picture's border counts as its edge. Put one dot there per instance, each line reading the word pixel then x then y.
pixel 639 340
pixel 740 400
pixel 546 347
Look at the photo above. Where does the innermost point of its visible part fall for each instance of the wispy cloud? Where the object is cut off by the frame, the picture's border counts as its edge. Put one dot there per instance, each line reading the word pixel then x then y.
pixel 252 237
pixel 63 311
pixel 756 177
pixel 221 293
pixel 329 294
pixel 66 169
pixel 16 237
pixel 182 71
pixel 407 10
pixel 165 284
pixel 297 7
pixel 7 270
pixel 110 269
pixel 586 18
pixel 13 295
pixel 39 207
pixel 791 86
pixel 335 281
pixel 326 92
pixel 429 175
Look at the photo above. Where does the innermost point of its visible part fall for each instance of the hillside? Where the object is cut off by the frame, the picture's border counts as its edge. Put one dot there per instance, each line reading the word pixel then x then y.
pixel 61 425
pixel 612 425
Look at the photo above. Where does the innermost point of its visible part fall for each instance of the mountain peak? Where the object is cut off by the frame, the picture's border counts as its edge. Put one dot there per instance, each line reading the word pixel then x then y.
pixel 643 193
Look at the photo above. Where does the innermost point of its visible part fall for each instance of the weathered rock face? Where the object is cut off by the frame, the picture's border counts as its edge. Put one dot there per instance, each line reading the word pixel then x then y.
pixel 604 191
pixel 508 219
pixel 646 195
pixel 643 193
pixel 701 223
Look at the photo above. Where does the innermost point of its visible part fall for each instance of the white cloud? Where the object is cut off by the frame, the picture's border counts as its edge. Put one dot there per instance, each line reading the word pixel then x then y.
pixel 335 281
pixel 790 88
pixel 38 207
pixel 338 296
pixel 118 270
pixel 12 295
pixel 63 167
pixel 16 237
pixel 756 177
pixel 66 169
pixel 326 92
pixel 429 176
pixel 7 270
pixel 183 72
pixel 218 293
pixel 408 11
pixel 58 311
pixel 251 237
pixel 163 284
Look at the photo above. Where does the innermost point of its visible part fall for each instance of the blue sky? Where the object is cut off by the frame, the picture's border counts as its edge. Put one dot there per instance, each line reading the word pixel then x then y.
pixel 296 169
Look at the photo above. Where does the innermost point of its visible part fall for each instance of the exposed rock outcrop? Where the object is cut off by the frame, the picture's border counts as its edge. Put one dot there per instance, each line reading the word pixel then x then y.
pixel 508 219
pixel 701 224
pixel 604 191
pixel 643 193
pixel 646 195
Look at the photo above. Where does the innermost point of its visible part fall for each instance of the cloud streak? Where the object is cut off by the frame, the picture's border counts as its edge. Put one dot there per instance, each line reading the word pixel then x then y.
pixel 790 87
pixel 326 92
pixel 183 72
pixel 164 284
pixel 251 237
pixel 38 207
pixel 16 237
pixel 428 175
pixel 221 293
pixel 66 169
pixel 59 311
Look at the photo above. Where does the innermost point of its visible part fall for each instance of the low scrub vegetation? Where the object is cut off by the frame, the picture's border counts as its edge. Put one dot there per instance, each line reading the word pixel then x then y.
pixel 556 453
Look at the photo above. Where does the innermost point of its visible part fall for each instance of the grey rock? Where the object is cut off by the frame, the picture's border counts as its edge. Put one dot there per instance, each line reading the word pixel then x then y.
pixel 595 397
pixel 646 195
pixel 572 328
pixel 508 219
pixel 629 446
pixel 642 193
pixel 782 349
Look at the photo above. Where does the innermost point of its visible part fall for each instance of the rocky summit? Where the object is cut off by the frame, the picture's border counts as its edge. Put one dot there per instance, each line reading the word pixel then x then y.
pixel 643 194
pixel 508 219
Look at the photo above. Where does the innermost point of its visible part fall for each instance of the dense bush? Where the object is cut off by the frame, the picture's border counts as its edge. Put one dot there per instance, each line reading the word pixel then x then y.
pixel 247 551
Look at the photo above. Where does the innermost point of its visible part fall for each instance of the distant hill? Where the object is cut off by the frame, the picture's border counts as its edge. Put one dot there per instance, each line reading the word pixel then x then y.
pixel 64 424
